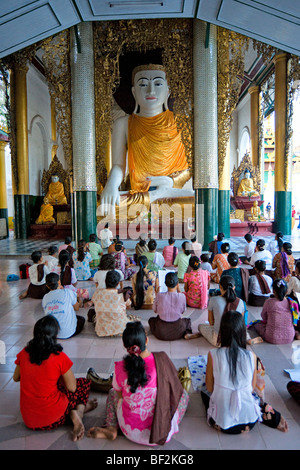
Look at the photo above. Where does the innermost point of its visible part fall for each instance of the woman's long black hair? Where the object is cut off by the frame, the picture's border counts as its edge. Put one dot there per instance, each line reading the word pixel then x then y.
pixel 44 341
pixel 279 238
pixel 134 338
pixel 80 250
pixel 228 284
pixel 63 259
pixel 139 285
pixel 232 335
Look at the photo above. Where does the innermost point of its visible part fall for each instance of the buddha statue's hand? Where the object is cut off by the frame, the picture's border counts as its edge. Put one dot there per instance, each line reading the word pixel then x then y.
pixel 110 196
pixel 161 181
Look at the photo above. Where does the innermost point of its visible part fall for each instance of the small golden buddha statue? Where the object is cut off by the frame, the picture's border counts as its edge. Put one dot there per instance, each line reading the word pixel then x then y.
pixel 54 196
pixel 246 186
pixel 255 213
pixel 46 215
pixel 56 193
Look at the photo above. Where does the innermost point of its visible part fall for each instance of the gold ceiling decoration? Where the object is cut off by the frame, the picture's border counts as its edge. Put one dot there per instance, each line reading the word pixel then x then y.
pixel 113 39
pixel 231 51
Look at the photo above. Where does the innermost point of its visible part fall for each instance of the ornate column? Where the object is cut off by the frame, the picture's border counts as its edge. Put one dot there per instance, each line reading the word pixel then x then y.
pixel 224 195
pixel 54 145
pixel 283 194
pixel 3 194
pixel 205 131
pixel 21 198
pixel 254 121
pixel 83 131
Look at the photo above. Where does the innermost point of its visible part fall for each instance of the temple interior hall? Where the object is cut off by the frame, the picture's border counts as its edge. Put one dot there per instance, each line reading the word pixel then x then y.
pixel 151 120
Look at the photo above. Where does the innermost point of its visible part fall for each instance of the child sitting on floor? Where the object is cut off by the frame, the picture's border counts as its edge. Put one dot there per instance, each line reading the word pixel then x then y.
pixel 205 264
pixel 62 304
pixel 37 274
pixel 95 251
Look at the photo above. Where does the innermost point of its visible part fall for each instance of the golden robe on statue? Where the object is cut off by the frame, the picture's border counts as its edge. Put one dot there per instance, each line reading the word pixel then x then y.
pixel 54 196
pixel 155 146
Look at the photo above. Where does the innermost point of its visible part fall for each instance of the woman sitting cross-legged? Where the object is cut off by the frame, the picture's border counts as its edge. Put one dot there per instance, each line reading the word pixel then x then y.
pixel 144 285
pixel 277 324
pixel 110 307
pixel 196 284
pixel 220 263
pixel 169 325
pixel 284 263
pixel 218 305
pixel 240 275
pixel 260 285
pixel 147 401
pixel 231 403
pixel 49 392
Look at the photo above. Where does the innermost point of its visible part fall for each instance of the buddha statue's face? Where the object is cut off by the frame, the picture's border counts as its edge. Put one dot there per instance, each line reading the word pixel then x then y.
pixel 54 178
pixel 150 90
pixel 247 175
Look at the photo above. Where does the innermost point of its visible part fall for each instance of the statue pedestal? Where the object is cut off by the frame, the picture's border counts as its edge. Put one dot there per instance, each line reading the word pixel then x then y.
pixel 239 229
pixel 243 202
pixel 50 231
pixel 58 231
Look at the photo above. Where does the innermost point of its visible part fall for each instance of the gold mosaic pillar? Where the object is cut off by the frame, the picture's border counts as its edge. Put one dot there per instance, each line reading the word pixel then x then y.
pixel 254 123
pixel 205 130
pixel 3 193
pixel 283 194
pixel 53 129
pixel 83 130
pixel 21 198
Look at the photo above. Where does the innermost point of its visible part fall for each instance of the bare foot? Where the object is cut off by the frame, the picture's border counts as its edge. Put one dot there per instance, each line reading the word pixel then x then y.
pixel 283 425
pixel 91 405
pixel 247 429
pixel 23 295
pixel 103 433
pixel 78 429
pixel 256 340
pixel 192 335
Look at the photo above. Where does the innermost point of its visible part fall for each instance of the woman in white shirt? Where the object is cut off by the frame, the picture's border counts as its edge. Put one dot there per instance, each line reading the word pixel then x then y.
pixel 260 285
pixel 262 254
pixel 107 263
pixel 106 237
pixel 275 245
pixel 294 282
pixel 232 406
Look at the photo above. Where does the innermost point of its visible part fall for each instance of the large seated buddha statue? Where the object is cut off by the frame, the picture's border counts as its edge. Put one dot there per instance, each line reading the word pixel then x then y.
pixel 149 145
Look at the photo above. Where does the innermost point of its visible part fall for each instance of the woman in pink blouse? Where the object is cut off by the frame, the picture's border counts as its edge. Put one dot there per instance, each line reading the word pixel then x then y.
pixel 276 325
pixel 170 252
pixel 147 401
pixel 169 306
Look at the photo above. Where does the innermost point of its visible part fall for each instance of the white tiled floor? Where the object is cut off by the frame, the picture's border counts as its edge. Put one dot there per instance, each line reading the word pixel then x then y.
pixel 17 319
